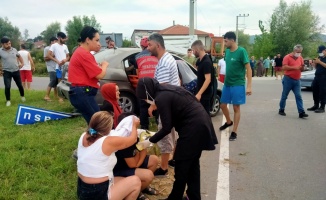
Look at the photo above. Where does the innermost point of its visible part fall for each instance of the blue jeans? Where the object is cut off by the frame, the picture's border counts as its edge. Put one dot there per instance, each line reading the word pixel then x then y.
pixel 7 76
pixel 294 85
pixel 83 99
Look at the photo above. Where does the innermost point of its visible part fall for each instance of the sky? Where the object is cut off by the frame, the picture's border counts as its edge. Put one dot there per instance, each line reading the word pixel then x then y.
pixel 124 16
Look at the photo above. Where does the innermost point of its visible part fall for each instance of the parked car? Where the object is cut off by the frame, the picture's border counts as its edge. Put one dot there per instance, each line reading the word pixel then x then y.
pixel 121 71
pixel 306 78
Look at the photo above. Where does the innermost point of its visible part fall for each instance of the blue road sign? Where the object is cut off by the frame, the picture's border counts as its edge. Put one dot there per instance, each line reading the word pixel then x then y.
pixel 31 115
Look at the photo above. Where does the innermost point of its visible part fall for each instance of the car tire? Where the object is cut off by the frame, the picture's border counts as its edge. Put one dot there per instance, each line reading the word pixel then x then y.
pixel 127 102
pixel 216 108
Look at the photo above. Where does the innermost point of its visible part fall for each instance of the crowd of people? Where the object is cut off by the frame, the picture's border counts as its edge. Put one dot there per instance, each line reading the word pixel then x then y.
pixel 110 164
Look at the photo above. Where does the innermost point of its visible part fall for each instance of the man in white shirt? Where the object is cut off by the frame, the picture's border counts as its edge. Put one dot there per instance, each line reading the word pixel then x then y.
pixel 221 66
pixel 59 53
pixel 28 67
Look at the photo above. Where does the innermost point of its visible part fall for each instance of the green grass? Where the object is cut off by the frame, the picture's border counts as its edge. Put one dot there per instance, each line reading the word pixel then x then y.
pixel 35 160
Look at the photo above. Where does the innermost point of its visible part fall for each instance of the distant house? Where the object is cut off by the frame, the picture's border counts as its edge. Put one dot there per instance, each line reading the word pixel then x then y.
pixel 175 30
pixel 39 44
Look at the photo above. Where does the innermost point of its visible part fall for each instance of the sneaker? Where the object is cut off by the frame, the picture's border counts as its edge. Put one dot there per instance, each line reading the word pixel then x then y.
pixel 23 99
pixel 315 107
pixel 225 126
pixel 320 110
pixel 8 103
pixel 74 154
pixel 281 112
pixel 233 136
pixel 171 163
pixel 303 115
pixel 159 172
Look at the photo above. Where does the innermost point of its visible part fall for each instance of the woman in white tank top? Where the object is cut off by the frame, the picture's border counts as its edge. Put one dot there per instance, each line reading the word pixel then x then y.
pixel 96 160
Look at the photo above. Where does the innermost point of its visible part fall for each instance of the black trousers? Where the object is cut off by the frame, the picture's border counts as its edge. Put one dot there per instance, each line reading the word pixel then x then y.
pixel 319 90
pixel 7 76
pixel 186 172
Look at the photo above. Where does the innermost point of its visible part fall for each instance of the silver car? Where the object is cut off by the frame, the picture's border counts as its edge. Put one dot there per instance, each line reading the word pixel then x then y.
pixel 306 78
pixel 122 72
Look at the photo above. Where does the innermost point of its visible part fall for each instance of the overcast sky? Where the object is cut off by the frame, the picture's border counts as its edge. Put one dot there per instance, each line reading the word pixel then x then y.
pixel 123 16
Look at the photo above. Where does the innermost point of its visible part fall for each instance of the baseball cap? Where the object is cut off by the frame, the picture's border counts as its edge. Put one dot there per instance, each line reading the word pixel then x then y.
pixel 321 48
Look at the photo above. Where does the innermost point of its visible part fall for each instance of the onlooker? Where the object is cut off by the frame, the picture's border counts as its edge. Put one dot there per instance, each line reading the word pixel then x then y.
pixel 273 66
pixel 84 73
pixel 59 53
pixel 11 63
pixel 78 45
pixel 205 70
pixel 132 161
pixel 26 70
pixel 146 64
pixel 319 82
pixel 166 72
pixel 260 68
pixel 50 66
pixel 96 160
pixel 234 89
pixel 190 58
pixel 252 65
pixel 110 43
pixel 179 108
pixel 221 67
pixel 266 63
pixel 278 66
pixel 292 66
pixel 111 95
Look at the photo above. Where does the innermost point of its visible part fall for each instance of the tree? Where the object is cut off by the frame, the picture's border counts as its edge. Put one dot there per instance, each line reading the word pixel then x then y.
pixel 126 43
pixel 26 35
pixel 51 31
pixel 244 40
pixel 263 45
pixel 74 27
pixel 7 29
pixel 295 24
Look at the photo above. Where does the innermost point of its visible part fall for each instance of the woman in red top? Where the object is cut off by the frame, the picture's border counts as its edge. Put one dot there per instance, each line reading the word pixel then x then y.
pixel 84 73
pixel 111 94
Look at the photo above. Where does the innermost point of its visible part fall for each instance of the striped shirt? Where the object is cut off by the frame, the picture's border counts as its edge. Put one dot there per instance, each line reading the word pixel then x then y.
pixel 166 70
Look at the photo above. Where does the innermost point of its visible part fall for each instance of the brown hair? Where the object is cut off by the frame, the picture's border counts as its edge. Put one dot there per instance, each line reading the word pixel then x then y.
pixel 101 122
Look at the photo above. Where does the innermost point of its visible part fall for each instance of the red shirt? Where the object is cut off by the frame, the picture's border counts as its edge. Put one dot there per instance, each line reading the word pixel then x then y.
pixel 146 64
pixel 83 69
pixel 294 62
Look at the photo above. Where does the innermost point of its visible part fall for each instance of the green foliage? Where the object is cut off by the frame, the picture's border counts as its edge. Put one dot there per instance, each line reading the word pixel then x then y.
pixel 51 31
pixel 40 69
pixel 36 159
pixel 295 24
pixel 126 43
pixel 263 46
pixel 7 29
pixel 74 27
pixel 244 41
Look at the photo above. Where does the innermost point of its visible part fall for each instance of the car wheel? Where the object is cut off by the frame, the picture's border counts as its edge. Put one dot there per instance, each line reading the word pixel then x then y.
pixel 127 102
pixel 216 107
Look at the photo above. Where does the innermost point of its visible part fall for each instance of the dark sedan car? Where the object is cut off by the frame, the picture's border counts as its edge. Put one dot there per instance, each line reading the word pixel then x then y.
pixel 121 71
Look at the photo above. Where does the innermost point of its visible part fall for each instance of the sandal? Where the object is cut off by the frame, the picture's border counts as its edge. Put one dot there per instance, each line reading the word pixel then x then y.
pixel 142 197
pixel 150 191
pixel 47 99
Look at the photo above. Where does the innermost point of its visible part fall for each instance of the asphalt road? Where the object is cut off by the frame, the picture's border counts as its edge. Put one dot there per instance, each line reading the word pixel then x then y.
pixel 274 157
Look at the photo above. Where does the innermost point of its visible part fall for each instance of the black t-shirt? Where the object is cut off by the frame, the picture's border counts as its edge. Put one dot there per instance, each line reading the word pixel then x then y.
pixel 278 62
pixel 320 70
pixel 122 154
pixel 204 66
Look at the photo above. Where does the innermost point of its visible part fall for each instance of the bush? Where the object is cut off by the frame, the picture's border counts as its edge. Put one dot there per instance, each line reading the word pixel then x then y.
pixel 37 55
pixel 40 69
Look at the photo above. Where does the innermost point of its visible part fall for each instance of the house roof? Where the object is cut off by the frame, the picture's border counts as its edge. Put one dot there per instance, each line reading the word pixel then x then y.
pixel 181 30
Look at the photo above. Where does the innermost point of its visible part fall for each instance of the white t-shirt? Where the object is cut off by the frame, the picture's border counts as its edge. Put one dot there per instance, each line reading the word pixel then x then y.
pixel 222 64
pixel 24 54
pixel 60 52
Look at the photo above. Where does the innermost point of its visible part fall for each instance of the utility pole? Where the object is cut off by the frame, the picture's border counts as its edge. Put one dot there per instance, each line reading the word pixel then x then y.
pixel 191 17
pixel 237 31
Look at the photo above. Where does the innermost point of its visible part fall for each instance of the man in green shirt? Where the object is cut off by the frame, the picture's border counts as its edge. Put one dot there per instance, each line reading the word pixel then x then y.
pixel 190 58
pixel 234 89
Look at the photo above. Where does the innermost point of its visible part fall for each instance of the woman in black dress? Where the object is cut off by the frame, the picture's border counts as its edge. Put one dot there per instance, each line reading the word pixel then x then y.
pixel 180 109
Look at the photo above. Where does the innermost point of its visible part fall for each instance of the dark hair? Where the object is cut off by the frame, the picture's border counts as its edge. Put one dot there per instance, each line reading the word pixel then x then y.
pixel 157 38
pixel 23 46
pixel 53 39
pixel 124 115
pixel 108 38
pixel 198 44
pixel 87 32
pixel 5 39
pixel 101 122
pixel 61 35
pixel 189 49
pixel 230 35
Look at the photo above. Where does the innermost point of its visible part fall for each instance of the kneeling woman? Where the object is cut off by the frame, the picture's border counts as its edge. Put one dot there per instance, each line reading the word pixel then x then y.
pixel 96 160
